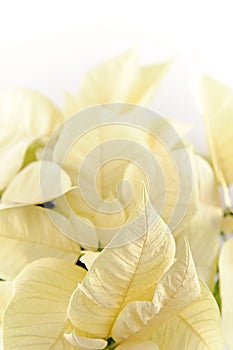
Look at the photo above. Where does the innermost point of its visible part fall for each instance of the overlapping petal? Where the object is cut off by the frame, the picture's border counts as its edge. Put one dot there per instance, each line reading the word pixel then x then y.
pixel 38 182
pixel 177 288
pixel 25 116
pixel 27 234
pixel 104 158
pixel 204 226
pixel 198 326
pixel 36 317
pixel 142 251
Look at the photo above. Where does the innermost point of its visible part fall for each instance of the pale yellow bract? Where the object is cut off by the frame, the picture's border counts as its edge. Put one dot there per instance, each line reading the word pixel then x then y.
pixel 117 80
pixel 83 200
pixel 216 102
pixel 130 294
pixel 205 224
pixel 202 219
pixel 27 234
pixel 36 316
pixel 38 182
pixel 217 109
pixel 147 289
pixel 26 117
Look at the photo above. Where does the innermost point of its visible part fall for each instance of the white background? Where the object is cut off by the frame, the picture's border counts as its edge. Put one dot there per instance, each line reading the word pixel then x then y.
pixel 49 45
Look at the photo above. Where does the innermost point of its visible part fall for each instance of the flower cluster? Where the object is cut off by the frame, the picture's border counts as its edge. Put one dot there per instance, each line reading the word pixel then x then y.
pixel 112 234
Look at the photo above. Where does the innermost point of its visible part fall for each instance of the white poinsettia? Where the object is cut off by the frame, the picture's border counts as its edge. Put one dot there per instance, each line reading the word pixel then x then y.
pixel 216 101
pixel 118 80
pixel 27 118
pixel 131 293
pixel 33 186
pixel 102 181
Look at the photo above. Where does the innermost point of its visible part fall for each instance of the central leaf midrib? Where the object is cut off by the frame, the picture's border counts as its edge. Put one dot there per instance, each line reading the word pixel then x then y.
pixel 131 280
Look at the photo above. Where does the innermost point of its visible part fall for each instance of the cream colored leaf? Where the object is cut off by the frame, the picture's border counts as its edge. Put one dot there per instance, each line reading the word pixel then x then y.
pixel 109 82
pixel 110 157
pixel 75 138
pixel 36 317
pixel 82 230
pixel 27 234
pixel 172 191
pixel 10 205
pixel 127 270
pixel 175 206
pixel 177 288
pixel 202 235
pixel 13 148
pixel 6 294
pixel 98 190
pixel 198 326
pixel 25 116
pixel 226 290
pixel 203 228
pixel 28 112
pixel 86 343
pixel 146 83
pixel 70 105
pixel 217 105
pixel 112 222
pixel 117 80
pixel 38 182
